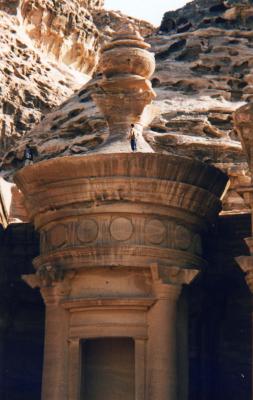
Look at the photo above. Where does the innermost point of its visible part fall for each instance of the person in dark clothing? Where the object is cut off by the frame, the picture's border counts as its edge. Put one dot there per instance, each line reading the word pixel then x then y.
pixel 28 155
pixel 132 138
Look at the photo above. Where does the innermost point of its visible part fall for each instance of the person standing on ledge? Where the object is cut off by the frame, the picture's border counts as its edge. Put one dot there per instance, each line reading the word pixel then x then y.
pixel 28 155
pixel 133 138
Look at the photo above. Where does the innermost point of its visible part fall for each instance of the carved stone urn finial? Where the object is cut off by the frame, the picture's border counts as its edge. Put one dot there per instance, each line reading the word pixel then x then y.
pixel 124 89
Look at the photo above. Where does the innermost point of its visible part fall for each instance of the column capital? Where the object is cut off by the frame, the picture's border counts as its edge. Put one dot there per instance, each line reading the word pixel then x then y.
pixel 246 264
pixel 168 281
pixel 54 283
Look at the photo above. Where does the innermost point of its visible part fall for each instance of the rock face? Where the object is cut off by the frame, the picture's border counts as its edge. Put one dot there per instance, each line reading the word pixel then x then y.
pixel 198 14
pixel 11 6
pixel 26 83
pixel 65 30
pixel 48 50
pixel 31 81
pixel 108 22
pixel 203 73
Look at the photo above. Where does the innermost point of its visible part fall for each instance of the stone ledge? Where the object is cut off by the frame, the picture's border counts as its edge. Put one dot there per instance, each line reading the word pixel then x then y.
pixel 145 165
pixel 118 256
pixel 112 303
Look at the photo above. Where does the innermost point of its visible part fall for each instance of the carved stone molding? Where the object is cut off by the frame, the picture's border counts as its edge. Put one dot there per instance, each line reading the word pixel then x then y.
pixel 119 255
pixel 125 229
pixel 141 190
pixel 109 303
pixel 153 179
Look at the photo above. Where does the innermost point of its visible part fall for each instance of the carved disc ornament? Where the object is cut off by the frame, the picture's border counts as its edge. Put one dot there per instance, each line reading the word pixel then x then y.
pixel 87 231
pixel 183 237
pixel 58 235
pixel 121 229
pixel 155 231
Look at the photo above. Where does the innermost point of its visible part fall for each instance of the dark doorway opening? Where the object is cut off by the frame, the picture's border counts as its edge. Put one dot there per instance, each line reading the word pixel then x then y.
pixel 108 369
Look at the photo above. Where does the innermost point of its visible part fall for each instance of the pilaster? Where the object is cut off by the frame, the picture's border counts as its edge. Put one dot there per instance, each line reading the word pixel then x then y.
pixel 163 346
pixel 54 287
pixel 243 119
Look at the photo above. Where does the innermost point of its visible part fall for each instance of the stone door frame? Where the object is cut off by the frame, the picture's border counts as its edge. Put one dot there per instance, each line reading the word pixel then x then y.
pixel 102 326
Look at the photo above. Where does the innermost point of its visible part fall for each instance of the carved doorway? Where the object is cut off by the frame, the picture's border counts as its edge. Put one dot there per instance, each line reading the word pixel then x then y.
pixel 108 369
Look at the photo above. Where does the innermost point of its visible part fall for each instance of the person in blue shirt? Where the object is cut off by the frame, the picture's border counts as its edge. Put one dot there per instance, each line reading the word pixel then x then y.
pixel 28 155
pixel 133 138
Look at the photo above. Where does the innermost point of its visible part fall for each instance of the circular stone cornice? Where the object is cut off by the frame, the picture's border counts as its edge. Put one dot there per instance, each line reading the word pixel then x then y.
pixel 149 191
pixel 145 165
pixel 163 180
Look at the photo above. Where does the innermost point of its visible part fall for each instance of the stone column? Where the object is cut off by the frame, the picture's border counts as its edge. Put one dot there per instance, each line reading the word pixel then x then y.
pixel 183 346
pixel 54 287
pixel 74 373
pixel 163 356
pixel 140 366
pixel 55 358
pixel 243 119
pixel 246 264
pixel 163 347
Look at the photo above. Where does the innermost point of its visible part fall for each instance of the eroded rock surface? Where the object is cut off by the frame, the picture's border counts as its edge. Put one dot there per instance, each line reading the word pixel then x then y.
pixel 64 29
pixel 30 85
pixel 199 14
pixel 36 73
pixel 204 73
pixel 108 22
pixel 49 49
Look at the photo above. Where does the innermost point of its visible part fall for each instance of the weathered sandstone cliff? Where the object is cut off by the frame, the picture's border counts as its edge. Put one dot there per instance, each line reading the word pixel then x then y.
pixel 204 72
pixel 43 52
pixel 49 49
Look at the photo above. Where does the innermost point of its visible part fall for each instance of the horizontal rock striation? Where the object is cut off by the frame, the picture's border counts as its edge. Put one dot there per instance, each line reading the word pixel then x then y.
pixel 199 14
pixel 204 73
